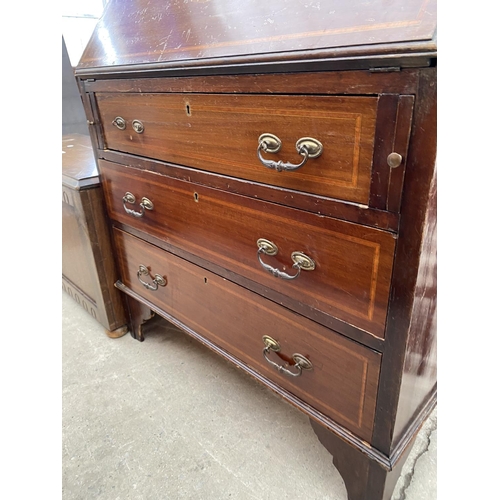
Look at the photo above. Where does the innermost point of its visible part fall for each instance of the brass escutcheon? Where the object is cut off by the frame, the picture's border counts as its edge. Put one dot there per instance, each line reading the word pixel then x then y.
pixel 147 203
pixel 303 261
pixel 268 247
pixel 129 198
pixel 119 123
pixel 272 143
pixel 302 361
pixel 138 126
pixel 271 344
pixel 313 146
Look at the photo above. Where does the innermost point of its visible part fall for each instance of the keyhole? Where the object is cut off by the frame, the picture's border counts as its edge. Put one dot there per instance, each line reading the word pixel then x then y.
pixel 196 197
pixel 188 110
pixel 205 280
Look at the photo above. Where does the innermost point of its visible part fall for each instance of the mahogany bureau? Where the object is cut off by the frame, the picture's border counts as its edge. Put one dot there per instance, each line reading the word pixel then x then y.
pixel 269 176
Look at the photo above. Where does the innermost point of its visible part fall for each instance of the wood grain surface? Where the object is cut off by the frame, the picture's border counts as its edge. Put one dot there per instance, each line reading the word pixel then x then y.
pixel 402 81
pixel 343 381
pixel 320 205
pixel 133 32
pixel 220 133
pixel 353 263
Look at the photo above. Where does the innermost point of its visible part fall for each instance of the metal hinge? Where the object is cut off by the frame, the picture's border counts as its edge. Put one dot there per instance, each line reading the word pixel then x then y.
pixel 389 69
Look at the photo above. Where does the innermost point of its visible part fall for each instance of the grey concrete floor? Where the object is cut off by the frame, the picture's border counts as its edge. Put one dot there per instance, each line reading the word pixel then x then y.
pixel 169 419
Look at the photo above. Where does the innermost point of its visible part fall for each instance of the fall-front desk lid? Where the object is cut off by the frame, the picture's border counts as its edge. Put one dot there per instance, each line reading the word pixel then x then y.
pixel 135 35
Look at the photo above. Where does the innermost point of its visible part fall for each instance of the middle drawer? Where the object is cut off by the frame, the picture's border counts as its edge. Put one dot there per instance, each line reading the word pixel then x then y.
pixel 350 265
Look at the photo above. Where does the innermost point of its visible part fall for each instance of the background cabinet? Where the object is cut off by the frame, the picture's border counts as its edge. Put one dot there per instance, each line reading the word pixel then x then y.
pixel 88 267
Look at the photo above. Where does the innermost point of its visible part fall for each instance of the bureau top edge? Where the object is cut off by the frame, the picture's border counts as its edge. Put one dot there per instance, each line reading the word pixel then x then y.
pixel 261 65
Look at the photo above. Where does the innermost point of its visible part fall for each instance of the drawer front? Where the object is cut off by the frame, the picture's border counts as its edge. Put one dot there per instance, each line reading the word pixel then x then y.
pixel 220 133
pixel 353 263
pixel 343 380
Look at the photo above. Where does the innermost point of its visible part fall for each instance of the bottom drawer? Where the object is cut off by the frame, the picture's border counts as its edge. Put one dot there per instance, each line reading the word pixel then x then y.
pixel 342 381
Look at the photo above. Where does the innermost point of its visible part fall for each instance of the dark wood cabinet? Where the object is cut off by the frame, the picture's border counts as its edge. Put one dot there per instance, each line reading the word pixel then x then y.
pixel 88 265
pixel 269 173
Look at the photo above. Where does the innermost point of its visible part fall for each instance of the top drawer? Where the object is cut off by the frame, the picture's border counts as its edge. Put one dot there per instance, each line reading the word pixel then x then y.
pixel 220 133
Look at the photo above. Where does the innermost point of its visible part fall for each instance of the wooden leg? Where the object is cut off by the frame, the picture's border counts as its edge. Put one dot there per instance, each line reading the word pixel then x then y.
pixel 364 478
pixel 138 315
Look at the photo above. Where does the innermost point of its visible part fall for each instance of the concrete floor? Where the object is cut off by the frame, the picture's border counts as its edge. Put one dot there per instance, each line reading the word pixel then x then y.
pixel 169 419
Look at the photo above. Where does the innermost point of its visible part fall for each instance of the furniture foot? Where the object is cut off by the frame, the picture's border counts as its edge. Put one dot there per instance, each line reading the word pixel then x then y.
pixel 364 478
pixel 138 315
pixel 117 333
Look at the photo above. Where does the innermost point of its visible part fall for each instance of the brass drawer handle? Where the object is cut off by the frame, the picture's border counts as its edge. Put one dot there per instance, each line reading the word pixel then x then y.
pixel 157 280
pixel 306 146
pixel 146 204
pixel 119 123
pixel 301 260
pixel 301 362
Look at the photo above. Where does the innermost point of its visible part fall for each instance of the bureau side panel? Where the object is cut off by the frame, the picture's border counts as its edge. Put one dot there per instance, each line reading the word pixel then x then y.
pixel 401 330
pixel 420 370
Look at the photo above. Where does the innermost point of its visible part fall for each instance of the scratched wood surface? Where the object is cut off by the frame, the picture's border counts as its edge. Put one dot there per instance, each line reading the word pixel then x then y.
pixel 343 381
pixel 135 32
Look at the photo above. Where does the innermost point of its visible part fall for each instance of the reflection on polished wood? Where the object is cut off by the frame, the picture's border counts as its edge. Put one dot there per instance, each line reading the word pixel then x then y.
pixel 139 32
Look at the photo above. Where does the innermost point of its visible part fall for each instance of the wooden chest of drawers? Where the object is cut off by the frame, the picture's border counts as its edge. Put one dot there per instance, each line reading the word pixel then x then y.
pixel 272 192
